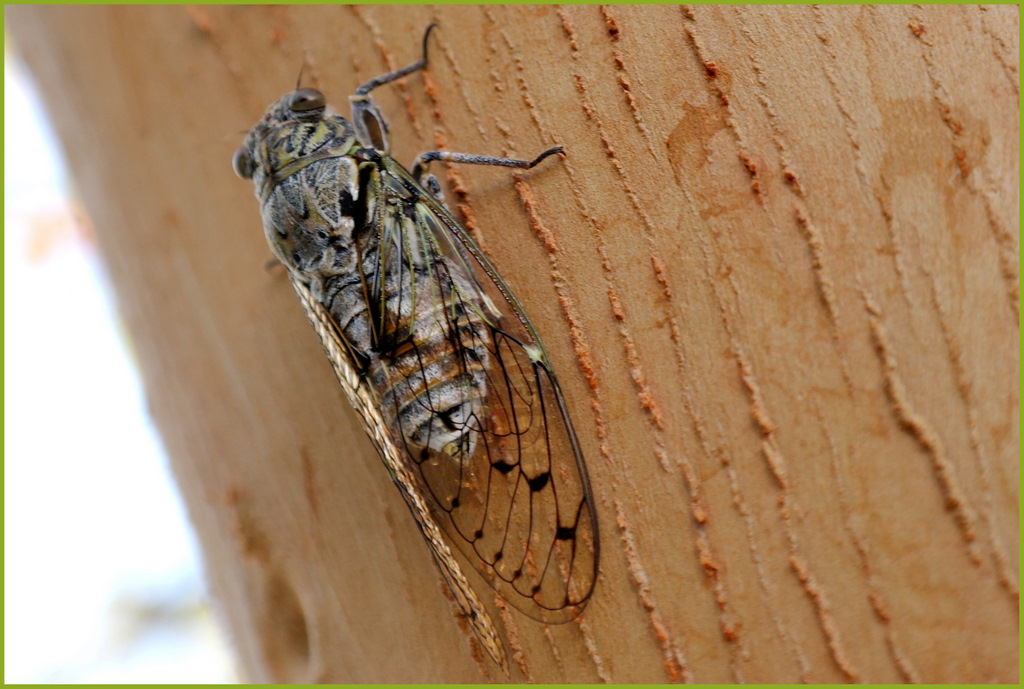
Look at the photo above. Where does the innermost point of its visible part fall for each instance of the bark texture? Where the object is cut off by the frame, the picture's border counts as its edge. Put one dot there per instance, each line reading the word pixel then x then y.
pixel 777 274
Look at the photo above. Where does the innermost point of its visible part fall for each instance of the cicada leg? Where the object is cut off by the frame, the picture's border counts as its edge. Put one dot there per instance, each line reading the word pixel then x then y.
pixel 371 127
pixel 398 73
pixel 419 166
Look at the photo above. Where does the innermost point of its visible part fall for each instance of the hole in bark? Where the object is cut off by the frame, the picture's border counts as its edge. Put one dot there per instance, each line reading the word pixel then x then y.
pixel 285 633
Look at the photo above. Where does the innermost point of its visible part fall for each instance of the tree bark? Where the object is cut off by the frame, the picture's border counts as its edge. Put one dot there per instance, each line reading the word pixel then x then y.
pixel 776 272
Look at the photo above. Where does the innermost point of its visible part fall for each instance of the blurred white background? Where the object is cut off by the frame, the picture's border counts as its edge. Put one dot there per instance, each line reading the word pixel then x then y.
pixel 102 580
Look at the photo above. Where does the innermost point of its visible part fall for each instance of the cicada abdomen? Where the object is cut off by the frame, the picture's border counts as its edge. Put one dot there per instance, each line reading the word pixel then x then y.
pixel 431 335
pixel 434 352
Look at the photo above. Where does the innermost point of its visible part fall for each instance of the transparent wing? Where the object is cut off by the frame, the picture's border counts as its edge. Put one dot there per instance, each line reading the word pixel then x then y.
pixel 478 410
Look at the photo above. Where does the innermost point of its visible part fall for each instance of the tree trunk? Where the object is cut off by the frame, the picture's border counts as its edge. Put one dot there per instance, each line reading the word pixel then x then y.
pixel 776 272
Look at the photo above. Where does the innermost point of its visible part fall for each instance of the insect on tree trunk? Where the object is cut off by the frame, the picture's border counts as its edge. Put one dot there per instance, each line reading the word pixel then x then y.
pixel 776 273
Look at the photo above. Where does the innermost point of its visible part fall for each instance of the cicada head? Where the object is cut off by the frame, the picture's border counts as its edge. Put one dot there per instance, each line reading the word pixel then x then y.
pixel 296 126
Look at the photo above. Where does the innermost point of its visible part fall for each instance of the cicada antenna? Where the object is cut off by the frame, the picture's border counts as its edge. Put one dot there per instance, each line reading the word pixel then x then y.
pixel 308 66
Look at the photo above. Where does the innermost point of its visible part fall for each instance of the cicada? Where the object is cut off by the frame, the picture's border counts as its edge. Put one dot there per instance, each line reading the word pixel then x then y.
pixel 433 350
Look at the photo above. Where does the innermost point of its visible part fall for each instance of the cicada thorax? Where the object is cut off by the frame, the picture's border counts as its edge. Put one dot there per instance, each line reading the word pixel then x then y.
pixel 307 183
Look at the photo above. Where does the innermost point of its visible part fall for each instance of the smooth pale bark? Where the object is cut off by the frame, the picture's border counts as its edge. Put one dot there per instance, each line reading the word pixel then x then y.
pixel 777 273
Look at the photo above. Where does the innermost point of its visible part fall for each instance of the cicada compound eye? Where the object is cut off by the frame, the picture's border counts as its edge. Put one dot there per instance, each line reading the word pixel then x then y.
pixel 305 100
pixel 242 164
